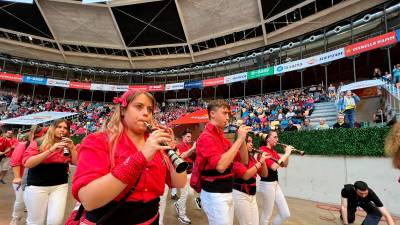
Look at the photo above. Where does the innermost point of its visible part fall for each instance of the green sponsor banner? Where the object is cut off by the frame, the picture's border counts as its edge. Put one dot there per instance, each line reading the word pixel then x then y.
pixel 264 72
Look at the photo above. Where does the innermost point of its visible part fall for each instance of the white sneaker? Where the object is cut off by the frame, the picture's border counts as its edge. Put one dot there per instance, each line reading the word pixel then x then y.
pixel 184 219
pixel 16 221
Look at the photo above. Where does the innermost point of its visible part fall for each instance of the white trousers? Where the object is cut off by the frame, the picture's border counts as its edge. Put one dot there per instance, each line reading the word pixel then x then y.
pixel 163 204
pixel 19 205
pixel 271 193
pixel 246 209
pixel 46 203
pixel 218 207
pixel 185 192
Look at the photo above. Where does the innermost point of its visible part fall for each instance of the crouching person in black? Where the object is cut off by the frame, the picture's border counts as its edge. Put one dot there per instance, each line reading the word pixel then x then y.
pixel 360 195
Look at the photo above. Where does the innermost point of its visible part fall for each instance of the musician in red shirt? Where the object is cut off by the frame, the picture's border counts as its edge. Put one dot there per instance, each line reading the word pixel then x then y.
pixel 48 161
pixel 121 156
pixel 244 185
pixel 7 145
pixel 269 186
pixel 186 150
pixel 18 169
pixel 213 165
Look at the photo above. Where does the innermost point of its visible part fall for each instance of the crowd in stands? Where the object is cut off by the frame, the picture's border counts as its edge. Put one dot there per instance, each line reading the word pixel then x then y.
pixel 285 111
pixel 90 116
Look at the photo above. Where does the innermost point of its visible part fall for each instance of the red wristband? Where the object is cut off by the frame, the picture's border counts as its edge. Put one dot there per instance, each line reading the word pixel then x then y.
pixel 129 171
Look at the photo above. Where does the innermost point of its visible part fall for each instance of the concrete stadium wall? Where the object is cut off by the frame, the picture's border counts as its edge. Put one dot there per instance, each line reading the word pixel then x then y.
pixel 321 179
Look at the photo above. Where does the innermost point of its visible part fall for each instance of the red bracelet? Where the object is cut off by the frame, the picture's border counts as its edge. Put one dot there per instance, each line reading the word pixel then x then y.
pixel 130 169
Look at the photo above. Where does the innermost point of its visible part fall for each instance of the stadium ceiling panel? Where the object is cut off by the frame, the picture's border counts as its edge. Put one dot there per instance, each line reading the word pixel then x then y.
pixel 154 23
pixel 144 34
pixel 205 19
pixel 24 18
pixel 273 7
pixel 81 24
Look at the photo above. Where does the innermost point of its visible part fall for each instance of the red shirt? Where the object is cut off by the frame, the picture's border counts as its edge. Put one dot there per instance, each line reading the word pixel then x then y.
pixel 184 147
pixel 55 157
pixel 11 143
pixel 94 162
pixel 209 148
pixel 272 174
pixel 16 157
pixel 273 153
pixel 239 169
pixel 3 144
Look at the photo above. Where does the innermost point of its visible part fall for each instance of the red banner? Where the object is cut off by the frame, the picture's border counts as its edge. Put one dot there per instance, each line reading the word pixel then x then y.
pixel 80 85
pixel 371 43
pixel 11 77
pixel 138 88
pixel 154 88
pixel 213 82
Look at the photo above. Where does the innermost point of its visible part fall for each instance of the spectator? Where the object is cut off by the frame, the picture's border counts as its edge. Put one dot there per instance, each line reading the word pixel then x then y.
pixel 322 125
pixel 290 126
pixel 396 73
pixel 332 91
pixel 347 104
pixel 377 74
pixel 340 122
pixel 306 125
pixel 379 117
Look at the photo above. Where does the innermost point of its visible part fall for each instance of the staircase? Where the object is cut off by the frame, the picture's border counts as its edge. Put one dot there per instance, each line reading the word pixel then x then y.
pixel 324 110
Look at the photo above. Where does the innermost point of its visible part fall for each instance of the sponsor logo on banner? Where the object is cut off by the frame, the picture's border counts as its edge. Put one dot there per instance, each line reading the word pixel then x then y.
pixel 371 43
pixel 159 87
pixel 330 56
pixel 138 88
pixel 269 71
pixel 292 66
pixel 121 88
pixel 80 85
pixel 102 87
pixel 193 84
pixel 213 82
pixel 11 77
pixel 235 78
pixel 58 83
pixel 175 86
pixel 34 80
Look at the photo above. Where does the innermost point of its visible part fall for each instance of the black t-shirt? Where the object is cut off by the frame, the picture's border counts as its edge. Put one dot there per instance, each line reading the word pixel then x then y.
pixel 368 203
pixel 344 125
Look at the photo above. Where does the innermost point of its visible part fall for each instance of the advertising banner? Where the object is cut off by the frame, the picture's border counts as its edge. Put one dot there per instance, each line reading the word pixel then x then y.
pixel 213 82
pixel 58 83
pixel 155 88
pixel 11 77
pixel 79 85
pixel 263 72
pixel 121 88
pixel 138 87
pixel 175 86
pixel 371 43
pixel 193 84
pixel 235 78
pixel 34 80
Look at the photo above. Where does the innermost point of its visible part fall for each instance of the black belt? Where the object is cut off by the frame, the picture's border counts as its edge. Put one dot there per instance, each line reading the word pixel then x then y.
pixel 128 213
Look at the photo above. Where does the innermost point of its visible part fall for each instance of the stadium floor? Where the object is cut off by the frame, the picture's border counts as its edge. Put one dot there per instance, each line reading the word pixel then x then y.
pixel 302 212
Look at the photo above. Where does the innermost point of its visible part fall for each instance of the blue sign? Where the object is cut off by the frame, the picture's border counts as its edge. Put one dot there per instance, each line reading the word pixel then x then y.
pixel 398 35
pixel 194 84
pixel 34 80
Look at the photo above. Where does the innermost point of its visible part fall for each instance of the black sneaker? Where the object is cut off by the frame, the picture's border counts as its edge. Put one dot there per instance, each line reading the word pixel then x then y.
pixel 2 181
pixel 198 202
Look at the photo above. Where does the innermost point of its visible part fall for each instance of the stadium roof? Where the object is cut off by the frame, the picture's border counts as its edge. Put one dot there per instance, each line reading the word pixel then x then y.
pixel 136 34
